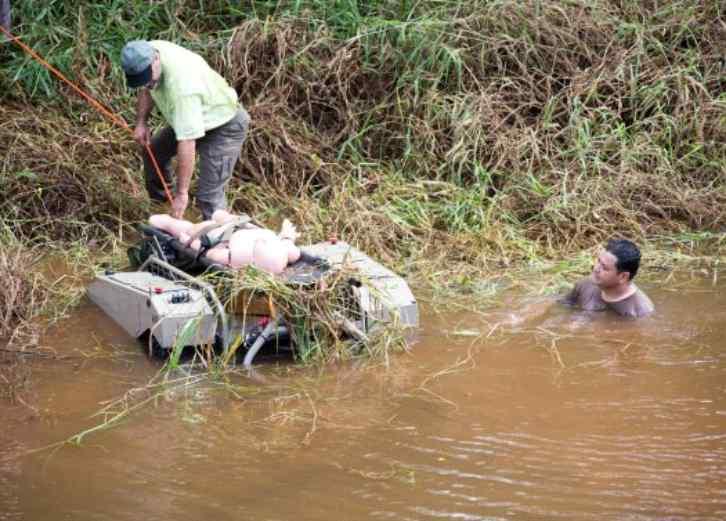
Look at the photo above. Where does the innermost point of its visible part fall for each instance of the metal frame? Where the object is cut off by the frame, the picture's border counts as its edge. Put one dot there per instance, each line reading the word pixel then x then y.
pixel 388 297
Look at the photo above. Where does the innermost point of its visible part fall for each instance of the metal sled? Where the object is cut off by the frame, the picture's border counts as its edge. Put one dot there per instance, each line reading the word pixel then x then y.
pixel 165 295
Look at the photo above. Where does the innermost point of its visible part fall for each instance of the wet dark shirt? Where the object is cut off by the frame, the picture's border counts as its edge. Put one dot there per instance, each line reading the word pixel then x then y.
pixel 587 296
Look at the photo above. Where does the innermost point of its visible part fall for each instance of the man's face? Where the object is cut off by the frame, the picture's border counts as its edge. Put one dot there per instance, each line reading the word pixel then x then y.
pixel 604 274
pixel 155 73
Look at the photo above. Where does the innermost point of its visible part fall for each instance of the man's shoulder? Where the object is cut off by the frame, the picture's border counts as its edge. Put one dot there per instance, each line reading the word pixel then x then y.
pixel 164 44
pixel 643 304
pixel 183 70
pixel 580 294
pixel 586 286
pixel 635 306
pixel 173 54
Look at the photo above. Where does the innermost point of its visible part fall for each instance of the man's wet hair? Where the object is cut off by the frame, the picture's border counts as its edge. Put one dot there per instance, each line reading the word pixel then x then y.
pixel 627 255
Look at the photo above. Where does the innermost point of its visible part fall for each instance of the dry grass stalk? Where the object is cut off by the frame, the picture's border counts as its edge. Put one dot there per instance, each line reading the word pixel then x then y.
pixel 22 298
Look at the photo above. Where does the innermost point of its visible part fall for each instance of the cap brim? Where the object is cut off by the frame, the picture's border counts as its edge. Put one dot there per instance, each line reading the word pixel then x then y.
pixel 134 81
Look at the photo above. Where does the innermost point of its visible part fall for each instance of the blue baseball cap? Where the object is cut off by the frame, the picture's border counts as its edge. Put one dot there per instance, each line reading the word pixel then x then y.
pixel 136 58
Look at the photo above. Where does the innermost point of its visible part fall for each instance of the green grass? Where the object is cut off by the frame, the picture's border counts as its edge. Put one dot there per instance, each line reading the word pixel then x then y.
pixel 450 140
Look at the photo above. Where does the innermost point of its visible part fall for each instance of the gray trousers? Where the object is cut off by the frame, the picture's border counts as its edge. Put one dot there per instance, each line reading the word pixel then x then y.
pixel 218 151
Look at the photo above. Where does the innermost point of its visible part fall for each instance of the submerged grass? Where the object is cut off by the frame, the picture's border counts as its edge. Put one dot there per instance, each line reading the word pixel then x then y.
pixel 320 316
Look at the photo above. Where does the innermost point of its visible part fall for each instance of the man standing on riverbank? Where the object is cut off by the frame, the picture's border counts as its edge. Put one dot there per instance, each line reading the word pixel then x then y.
pixel 204 118
pixel 4 16
pixel 610 286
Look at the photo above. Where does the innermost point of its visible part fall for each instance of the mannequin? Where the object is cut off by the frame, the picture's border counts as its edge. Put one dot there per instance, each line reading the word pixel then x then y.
pixel 247 245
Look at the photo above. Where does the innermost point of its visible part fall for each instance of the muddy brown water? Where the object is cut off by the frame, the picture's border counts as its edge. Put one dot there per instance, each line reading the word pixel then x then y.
pixel 513 411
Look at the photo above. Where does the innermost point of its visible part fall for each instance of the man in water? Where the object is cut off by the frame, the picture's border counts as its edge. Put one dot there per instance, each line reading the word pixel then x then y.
pixel 204 119
pixel 610 286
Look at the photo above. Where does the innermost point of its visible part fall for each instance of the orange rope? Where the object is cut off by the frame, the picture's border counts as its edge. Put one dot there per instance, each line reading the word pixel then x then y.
pixel 95 104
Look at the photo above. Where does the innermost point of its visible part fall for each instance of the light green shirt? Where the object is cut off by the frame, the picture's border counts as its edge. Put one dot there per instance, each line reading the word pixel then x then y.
pixel 191 96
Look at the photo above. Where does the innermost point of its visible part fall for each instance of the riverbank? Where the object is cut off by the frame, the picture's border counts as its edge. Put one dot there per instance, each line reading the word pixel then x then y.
pixel 454 142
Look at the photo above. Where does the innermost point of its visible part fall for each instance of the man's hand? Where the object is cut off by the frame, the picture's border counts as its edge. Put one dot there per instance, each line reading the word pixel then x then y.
pixel 142 135
pixel 179 205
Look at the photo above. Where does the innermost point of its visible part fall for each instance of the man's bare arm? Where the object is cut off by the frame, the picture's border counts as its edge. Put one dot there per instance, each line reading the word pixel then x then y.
pixel 185 154
pixel 144 105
